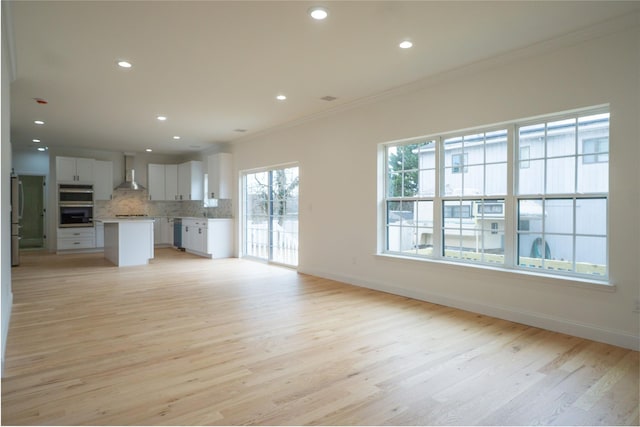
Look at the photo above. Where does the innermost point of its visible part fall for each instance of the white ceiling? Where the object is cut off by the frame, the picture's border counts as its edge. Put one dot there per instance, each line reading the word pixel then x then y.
pixel 214 67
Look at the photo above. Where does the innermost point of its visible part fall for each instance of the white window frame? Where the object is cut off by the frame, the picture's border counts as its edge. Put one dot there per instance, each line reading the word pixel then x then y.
pixel 510 200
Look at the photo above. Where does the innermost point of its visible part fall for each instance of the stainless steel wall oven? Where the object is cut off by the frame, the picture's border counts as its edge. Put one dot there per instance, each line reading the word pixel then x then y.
pixel 75 205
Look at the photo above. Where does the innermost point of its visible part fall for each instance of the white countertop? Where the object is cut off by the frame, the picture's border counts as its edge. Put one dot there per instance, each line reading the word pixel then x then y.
pixel 133 219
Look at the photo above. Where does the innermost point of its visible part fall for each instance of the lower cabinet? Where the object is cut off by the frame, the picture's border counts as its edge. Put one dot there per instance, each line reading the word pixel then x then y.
pixel 99 235
pixel 163 231
pixel 76 238
pixel 208 237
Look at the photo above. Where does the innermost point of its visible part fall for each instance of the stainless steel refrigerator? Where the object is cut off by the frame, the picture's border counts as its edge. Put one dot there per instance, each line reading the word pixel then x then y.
pixel 17 207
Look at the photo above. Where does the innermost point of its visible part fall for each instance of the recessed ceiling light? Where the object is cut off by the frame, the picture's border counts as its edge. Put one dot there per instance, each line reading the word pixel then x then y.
pixel 36 140
pixel 38 122
pixel 406 44
pixel 42 148
pixel 148 150
pixel 318 13
pixel 162 118
pixel 281 97
pixel 176 137
pixel 125 64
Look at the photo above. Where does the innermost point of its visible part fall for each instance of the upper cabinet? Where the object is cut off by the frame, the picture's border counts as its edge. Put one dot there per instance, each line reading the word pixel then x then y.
pixel 220 176
pixel 72 169
pixel 103 180
pixel 171 182
pixel 156 182
pixel 165 182
pixel 190 180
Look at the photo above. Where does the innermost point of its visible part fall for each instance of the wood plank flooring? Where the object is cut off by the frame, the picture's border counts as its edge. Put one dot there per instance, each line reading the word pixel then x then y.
pixel 191 341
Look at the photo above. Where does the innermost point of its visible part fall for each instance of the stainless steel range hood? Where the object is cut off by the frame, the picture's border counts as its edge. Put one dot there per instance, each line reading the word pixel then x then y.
pixel 129 174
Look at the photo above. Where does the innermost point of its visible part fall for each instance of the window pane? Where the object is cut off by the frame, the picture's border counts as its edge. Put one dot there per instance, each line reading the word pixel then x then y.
pixel 427 155
pixel 493 246
pixel 532 250
pixel 400 212
pixel 496 179
pixel 533 137
pixel 393 239
pixel 561 138
pixel 561 175
pixel 530 215
pixel 531 179
pixel 591 216
pixel 594 177
pixel 496 146
pixel 423 239
pixel 559 252
pixel 474 181
pixel 452 183
pixel 424 214
pixel 394 185
pixel 591 255
pixel 427 183
pixel 558 216
pixel 410 183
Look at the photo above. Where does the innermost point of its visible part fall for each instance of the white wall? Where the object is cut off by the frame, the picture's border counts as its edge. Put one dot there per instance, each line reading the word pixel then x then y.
pixel 338 157
pixel 5 191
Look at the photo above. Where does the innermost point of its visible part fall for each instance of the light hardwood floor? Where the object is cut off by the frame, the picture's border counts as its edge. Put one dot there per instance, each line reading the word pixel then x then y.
pixel 191 341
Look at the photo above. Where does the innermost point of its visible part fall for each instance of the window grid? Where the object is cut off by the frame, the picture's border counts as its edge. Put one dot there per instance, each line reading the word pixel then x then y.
pixel 416 237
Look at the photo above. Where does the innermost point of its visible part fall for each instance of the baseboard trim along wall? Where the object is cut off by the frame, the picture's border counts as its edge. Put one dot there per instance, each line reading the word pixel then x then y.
pixel 538 320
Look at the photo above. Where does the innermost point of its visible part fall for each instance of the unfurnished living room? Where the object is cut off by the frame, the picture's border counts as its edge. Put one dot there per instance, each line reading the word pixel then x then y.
pixel 320 213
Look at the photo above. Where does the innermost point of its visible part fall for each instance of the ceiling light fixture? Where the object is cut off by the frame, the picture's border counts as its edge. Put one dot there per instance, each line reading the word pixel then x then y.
pixel 38 122
pixel 162 118
pixel 148 150
pixel 176 137
pixel 125 64
pixel 406 44
pixel 42 148
pixel 281 97
pixel 318 13
pixel 36 140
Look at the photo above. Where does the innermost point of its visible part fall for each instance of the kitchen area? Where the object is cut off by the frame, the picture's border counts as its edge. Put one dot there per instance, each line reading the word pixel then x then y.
pixel 129 204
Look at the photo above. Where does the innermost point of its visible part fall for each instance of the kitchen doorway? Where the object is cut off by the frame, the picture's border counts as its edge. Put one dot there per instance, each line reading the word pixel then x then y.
pixel 33 215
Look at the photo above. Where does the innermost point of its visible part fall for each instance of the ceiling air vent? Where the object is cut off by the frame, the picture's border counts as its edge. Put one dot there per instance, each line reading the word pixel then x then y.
pixel 328 98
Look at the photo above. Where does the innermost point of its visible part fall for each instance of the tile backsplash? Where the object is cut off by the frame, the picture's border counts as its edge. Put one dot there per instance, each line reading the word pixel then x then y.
pixel 128 202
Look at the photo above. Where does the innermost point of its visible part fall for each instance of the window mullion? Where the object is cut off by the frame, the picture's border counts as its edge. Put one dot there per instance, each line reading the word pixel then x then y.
pixel 437 200
pixel 510 205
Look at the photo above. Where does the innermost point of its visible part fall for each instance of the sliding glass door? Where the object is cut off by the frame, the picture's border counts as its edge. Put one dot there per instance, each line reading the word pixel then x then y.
pixel 270 215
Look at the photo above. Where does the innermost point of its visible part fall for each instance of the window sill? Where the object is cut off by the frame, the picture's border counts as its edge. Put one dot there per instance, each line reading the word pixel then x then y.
pixel 552 279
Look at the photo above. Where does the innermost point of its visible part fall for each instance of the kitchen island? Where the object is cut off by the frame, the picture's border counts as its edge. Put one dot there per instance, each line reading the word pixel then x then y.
pixel 128 241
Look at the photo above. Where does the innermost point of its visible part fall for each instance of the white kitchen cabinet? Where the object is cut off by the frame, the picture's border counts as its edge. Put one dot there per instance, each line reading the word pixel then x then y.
pixel 219 176
pixel 208 237
pixel 73 169
pixel 76 238
pixel 103 180
pixel 171 182
pixel 220 237
pixel 156 182
pixel 99 235
pixel 162 182
pixel 163 231
pixel 190 180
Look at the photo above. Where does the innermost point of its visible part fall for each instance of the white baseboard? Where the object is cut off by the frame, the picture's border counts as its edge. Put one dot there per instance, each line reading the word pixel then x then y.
pixel 539 320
